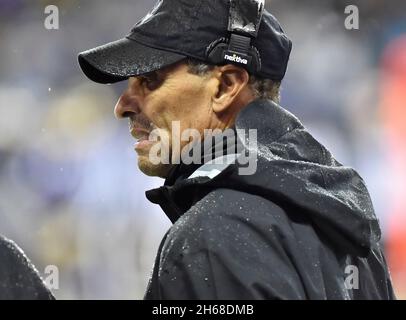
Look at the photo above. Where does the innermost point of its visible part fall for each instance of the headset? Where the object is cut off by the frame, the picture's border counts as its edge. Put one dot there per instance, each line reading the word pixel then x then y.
pixel 245 17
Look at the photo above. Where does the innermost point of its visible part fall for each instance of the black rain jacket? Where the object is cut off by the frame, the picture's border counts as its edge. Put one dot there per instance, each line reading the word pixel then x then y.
pixel 302 227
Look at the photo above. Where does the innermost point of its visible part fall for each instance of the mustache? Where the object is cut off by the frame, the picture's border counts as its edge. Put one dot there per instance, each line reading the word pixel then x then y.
pixel 141 122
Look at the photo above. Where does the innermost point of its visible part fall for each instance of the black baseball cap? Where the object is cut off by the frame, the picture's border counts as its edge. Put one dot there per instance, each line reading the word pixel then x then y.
pixel 175 30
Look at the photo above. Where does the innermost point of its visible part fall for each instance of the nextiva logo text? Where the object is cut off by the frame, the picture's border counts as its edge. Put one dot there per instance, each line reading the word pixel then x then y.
pixel 235 58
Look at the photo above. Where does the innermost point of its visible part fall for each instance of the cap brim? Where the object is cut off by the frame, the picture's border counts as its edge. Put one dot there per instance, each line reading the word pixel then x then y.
pixel 124 58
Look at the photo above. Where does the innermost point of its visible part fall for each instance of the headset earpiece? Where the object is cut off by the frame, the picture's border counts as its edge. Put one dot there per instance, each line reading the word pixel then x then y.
pixel 244 21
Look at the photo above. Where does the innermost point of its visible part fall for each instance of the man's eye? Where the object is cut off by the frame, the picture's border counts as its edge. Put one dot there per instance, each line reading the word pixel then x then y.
pixel 151 82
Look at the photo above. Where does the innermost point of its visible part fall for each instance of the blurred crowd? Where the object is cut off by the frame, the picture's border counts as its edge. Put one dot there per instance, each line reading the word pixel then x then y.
pixel 70 191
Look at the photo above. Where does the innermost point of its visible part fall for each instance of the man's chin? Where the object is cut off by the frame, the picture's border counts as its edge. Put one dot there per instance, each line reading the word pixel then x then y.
pixel 152 170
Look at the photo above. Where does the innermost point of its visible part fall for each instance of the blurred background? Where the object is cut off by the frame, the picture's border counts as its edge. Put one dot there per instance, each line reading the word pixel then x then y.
pixel 70 191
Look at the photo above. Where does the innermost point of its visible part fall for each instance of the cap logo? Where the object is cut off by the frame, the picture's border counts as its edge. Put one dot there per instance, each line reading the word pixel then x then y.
pixel 235 58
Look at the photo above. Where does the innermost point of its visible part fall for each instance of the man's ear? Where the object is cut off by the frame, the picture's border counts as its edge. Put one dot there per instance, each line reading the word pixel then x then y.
pixel 232 80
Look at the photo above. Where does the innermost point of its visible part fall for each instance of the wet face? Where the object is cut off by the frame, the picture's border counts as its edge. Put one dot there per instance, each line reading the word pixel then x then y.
pixel 154 101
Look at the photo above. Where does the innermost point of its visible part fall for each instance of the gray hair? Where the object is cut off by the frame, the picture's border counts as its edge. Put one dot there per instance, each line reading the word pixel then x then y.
pixel 262 88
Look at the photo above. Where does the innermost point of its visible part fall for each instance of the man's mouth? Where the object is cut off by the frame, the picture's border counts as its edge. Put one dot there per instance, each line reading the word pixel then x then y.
pixel 141 134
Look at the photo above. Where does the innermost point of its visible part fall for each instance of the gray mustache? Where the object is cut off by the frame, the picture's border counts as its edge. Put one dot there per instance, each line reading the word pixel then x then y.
pixel 141 122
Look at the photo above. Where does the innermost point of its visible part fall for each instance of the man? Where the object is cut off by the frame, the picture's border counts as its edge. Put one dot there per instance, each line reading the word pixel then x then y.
pixel 295 225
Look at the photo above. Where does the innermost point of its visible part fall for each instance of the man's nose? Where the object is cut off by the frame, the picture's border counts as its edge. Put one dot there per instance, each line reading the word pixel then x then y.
pixel 127 105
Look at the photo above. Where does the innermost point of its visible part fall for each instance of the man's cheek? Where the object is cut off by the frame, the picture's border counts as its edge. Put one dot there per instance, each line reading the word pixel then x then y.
pixel 159 153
